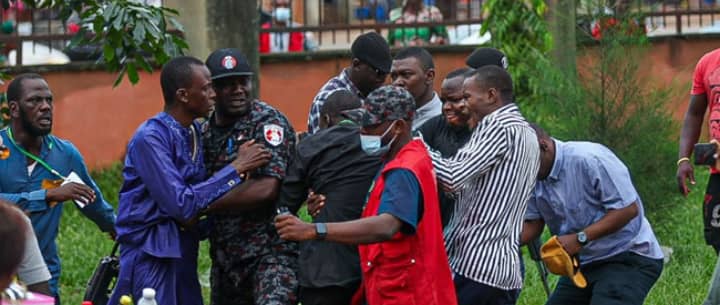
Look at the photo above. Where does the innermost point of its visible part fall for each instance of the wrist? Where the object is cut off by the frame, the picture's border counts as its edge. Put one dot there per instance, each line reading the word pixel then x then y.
pixel 683 160
pixel 582 238
pixel 320 231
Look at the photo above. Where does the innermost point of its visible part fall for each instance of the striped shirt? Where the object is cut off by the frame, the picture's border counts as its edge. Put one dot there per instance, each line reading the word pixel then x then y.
pixel 493 176
pixel 341 81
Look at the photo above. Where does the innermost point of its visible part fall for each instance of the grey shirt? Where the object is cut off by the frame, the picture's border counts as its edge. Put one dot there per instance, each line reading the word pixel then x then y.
pixel 430 110
pixel 32 269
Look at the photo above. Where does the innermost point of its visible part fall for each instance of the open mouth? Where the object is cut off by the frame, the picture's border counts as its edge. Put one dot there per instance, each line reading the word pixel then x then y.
pixel 45 121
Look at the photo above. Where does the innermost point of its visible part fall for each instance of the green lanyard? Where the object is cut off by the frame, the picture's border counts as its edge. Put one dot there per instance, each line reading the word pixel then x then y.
pixel 31 156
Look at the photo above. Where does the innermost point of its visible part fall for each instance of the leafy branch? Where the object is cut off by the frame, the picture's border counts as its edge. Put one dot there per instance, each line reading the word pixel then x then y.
pixel 133 35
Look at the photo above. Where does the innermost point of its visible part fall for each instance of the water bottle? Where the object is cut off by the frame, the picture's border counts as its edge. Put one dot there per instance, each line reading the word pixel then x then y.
pixel 148 297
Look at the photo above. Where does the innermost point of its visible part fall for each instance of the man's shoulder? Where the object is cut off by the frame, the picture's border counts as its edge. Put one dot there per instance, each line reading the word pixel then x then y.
pixel 325 139
pixel 266 113
pixel 335 83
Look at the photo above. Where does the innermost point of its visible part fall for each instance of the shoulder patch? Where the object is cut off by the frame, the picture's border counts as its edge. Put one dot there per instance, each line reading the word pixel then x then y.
pixel 273 134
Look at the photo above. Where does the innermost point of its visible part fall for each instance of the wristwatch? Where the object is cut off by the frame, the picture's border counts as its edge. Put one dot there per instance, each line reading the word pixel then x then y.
pixel 320 230
pixel 582 238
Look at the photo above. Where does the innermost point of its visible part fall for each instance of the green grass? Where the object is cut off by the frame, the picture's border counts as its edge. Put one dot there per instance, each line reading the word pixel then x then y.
pixel 677 223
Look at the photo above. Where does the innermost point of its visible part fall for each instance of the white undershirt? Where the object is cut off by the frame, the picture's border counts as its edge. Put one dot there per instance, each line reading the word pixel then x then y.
pixel 31 167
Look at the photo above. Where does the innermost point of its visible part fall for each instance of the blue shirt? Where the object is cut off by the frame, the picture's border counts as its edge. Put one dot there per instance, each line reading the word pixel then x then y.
pixel 25 191
pixel 585 182
pixel 401 198
pixel 164 182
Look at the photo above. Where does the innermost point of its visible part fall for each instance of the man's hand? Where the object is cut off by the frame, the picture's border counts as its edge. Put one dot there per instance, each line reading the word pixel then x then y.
pixel 685 172
pixel 290 227
pixel 70 191
pixel 250 156
pixel 570 243
pixel 315 203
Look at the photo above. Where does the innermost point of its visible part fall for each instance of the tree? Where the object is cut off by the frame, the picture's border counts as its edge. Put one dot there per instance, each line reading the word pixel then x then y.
pixel 235 24
pixel 133 35
pixel 561 21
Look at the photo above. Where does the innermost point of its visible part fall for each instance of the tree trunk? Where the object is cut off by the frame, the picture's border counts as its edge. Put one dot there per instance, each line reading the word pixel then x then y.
pixel 561 21
pixel 235 24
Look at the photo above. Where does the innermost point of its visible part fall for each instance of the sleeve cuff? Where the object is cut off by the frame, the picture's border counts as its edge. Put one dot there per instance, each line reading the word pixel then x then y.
pixel 230 176
pixel 38 195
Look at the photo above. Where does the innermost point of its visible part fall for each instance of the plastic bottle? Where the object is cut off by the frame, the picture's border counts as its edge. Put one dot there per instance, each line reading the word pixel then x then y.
pixel 148 297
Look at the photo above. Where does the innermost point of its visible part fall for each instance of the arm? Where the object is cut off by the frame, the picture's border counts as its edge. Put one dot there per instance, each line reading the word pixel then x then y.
pixel 250 195
pixel 613 221
pixel 153 163
pixel 32 270
pixel 99 211
pixel 531 230
pixel 362 231
pixel 294 190
pixel 688 137
pixel 614 192
pixel 487 147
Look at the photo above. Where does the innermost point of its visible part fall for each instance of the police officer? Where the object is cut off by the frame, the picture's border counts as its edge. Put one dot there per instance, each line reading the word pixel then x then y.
pixel 250 263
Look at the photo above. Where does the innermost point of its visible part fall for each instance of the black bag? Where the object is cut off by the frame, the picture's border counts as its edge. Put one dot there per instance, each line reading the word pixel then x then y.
pixel 102 281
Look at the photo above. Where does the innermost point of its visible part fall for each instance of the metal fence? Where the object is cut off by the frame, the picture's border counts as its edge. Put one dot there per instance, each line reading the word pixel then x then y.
pixel 31 37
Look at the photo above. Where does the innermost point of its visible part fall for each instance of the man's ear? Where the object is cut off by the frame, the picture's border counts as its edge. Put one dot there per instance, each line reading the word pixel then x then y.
pixel 430 76
pixel 181 95
pixel 14 108
pixel 544 145
pixel 355 63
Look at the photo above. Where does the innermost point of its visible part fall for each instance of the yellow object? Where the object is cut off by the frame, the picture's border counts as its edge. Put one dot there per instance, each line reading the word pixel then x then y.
pixel 559 262
pixel 47 184
pixel 4 152
pixel 683 160
pixel 126 300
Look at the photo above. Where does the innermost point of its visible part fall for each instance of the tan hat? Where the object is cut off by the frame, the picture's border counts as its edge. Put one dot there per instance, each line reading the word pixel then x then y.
pixel 559 262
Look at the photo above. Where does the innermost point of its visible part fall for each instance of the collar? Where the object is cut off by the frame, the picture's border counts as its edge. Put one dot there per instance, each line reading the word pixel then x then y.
pixel 558 162
pixel 509 108
pixel 433 104
pixel 345 78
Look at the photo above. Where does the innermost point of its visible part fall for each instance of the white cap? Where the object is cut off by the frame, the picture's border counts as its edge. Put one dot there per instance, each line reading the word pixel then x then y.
pixel 148 293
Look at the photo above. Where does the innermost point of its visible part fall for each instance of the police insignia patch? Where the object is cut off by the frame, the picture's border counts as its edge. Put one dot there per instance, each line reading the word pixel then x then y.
pixel 229 62
pixel 273 134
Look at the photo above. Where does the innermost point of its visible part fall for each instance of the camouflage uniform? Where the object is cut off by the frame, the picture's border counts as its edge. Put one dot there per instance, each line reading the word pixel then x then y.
pixel 250 263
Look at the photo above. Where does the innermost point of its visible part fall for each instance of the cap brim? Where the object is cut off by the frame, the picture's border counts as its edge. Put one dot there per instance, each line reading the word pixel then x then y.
pixel 231 74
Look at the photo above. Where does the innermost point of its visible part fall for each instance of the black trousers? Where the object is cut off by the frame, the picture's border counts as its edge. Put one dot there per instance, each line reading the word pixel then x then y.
pixel 331 295
pixel 711 212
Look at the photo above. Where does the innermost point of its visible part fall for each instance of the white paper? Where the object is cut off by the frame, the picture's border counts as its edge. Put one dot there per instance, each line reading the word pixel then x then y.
pixel 73 177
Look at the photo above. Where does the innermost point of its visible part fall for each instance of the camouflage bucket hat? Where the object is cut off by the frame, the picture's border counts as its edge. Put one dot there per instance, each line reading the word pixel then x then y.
pixel 387 103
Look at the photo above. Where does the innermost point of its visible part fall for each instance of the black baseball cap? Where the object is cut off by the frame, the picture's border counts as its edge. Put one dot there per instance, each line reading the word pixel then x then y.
pixel 486 56
pixel 228 62
pixel 372 49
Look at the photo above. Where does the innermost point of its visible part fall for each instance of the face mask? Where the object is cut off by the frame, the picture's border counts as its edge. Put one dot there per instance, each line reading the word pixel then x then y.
pixel 372 145
pixel 282 14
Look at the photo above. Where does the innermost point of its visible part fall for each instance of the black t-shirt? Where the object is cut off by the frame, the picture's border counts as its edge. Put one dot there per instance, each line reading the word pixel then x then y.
pixel 442 137
pixel 330 162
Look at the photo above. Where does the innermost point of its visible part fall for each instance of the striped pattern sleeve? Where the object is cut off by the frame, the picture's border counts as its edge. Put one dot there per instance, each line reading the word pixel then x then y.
pixel 488 146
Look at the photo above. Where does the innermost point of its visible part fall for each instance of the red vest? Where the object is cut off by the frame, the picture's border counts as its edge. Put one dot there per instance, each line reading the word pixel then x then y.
pixel 295 44
pixel 409 269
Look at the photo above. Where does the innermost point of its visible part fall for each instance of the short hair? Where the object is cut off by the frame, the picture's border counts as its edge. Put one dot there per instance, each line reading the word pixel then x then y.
pixel 176 74
pixel 13 234
pixel 14 89
pixel 339 101
pixel 422 55
pixel 492 76
pixel 541 133
pixel 464 72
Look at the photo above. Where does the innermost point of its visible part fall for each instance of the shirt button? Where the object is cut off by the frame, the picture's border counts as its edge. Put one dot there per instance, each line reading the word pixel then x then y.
pixel 231 183
pixel 412 260
pixel 369 264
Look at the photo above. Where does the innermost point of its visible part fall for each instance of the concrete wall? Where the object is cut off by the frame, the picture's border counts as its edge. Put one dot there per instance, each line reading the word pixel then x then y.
pixel 100 119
